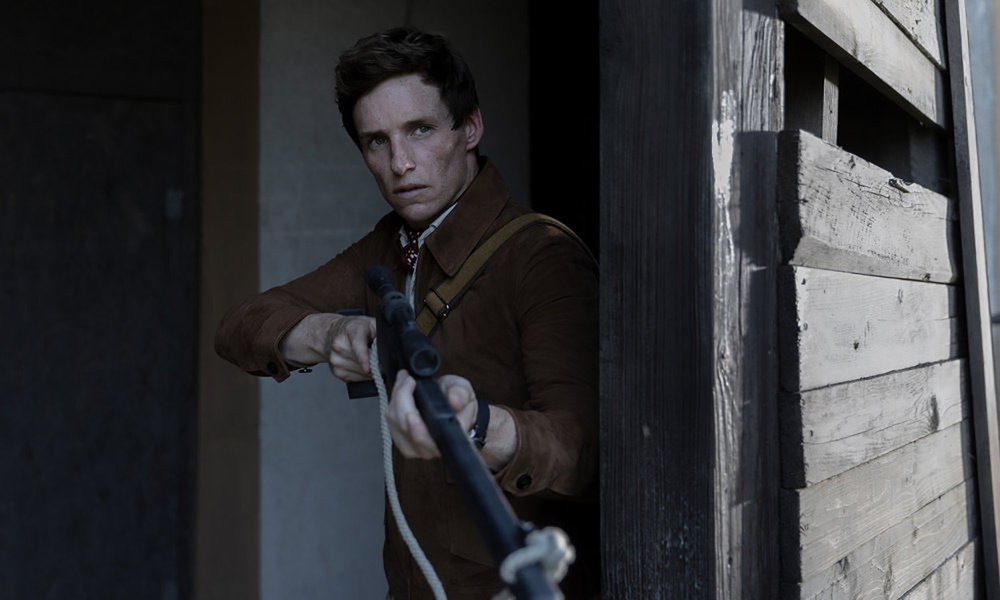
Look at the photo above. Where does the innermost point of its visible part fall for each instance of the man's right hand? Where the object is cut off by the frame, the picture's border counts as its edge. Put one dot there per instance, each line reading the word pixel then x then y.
pixel 340 341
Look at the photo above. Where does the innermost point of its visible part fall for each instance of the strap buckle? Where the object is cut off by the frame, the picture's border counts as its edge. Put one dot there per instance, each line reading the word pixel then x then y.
pixel 438 305
pixel 444 312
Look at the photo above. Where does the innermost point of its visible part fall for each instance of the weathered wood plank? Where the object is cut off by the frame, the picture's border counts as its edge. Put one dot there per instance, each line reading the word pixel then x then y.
pixel 837 327
pixel 860 35
pixel 841 212
pixel 921 20
pixel 748 115
pixel 956 578
pixel 831 100
pixel 825 522
pixel 977 310
pixel 890 564
pixel 657 458
pixel 829 430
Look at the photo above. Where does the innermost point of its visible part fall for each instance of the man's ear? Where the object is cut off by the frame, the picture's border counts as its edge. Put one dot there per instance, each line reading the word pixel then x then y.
pixel 473 128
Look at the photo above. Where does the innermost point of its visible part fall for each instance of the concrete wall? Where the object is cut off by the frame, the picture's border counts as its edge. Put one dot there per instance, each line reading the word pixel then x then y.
pixel 985 62
pixel 321 498
pixel 995 165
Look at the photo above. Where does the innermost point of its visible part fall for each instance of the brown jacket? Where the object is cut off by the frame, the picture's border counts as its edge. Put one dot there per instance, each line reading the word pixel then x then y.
pixel 525 335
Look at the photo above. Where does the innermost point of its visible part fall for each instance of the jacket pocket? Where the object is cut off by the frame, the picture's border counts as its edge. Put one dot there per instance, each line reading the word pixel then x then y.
pixel 466 540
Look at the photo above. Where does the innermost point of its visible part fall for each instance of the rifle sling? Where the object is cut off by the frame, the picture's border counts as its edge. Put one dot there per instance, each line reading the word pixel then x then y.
pixel 443 299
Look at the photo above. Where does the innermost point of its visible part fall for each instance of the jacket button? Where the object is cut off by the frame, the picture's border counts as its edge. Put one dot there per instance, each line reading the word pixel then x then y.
pixel 523 482
pixel 272 368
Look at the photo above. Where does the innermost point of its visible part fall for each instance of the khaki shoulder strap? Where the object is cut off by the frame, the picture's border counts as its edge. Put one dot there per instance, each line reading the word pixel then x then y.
pixel 442 300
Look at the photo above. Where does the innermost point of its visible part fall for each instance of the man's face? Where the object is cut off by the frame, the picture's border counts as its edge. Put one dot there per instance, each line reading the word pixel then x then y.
pixel 420 163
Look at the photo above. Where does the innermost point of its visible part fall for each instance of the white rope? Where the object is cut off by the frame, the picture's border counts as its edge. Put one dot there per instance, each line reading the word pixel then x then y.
pixel 549 547
pixel 390 484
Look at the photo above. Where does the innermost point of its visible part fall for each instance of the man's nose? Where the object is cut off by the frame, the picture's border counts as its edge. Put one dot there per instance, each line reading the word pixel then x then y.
pixel 401 162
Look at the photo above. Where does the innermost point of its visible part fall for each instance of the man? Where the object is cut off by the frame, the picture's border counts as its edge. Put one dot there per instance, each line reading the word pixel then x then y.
pixel 522 342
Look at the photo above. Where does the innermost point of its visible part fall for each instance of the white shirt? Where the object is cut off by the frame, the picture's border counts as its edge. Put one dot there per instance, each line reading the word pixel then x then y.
pixel 404 240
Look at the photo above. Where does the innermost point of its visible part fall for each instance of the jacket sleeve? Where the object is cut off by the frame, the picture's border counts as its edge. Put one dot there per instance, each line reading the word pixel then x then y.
pixel 249 333
pixel 556 303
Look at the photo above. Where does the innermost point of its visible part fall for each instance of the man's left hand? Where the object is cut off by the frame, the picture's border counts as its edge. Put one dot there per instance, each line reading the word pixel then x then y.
pixel 409 432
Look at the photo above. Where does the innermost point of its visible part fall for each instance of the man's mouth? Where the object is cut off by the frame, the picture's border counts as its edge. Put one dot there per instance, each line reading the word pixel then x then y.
pixel 407 190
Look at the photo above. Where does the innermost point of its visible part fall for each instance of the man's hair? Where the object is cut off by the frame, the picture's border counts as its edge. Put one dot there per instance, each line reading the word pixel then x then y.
pixel 404 51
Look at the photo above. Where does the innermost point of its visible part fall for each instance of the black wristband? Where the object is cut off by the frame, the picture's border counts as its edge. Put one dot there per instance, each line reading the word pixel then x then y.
pixel 478 432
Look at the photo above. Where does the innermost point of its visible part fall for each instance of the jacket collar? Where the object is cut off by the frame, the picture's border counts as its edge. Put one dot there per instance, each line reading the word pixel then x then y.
pixel 477 208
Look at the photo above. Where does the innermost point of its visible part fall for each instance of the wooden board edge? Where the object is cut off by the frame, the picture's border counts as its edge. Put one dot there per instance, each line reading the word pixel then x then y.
pixel 790 440
pixel 789 336
pixel 789 220
pixel 800 472
pixel 937 115
pixel 934 53
pixel 981 361
pixel 798 242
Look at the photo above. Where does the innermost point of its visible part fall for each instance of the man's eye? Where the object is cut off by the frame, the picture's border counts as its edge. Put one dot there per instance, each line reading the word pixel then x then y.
pixel 375 142
pixel 422 130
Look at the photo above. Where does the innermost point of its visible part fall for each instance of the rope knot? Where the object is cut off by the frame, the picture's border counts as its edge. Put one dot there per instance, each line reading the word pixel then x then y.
pixel 548 547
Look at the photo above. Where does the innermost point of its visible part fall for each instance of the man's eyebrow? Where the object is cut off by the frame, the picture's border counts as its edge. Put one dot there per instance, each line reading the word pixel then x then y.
pixel 370 134
pixel 417 122
pixel 407 125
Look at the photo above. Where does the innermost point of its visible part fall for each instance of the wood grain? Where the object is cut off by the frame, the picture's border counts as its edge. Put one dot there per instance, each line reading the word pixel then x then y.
pixel 812 93
pixel 866 40
pixel 657 458
pixel 841 212
pixel 829 430
pixel 748 112
pixel 837 327
pixel 977 310
pixel 825 522
pixel 956 578
pixel 890 564
pixel 921 21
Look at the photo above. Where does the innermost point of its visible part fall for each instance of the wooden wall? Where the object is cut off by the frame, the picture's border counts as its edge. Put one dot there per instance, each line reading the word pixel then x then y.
pixel 878 488
pixel 688 342
pixel 878 469
pixel 883 481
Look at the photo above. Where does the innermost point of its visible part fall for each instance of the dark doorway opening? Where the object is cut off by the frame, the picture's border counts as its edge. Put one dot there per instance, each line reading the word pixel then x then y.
pixel 564 107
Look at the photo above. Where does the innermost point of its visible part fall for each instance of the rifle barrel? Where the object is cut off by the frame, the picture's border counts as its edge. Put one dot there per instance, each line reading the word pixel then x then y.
pixel 400 342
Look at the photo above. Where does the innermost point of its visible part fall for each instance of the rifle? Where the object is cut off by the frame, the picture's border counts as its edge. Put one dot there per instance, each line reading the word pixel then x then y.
pixel 401 345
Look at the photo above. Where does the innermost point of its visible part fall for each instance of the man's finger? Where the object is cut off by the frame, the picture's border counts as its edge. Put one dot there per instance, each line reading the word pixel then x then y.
pixel 359 346
pixel 346 369
pixel 420 436
pixel 401 441
pixel 409 430
pixel 402 392
pixel 349 376
pixel 344 362
pixel 365 356
pixel 466 415
pixel 459 397
pixel 402 425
